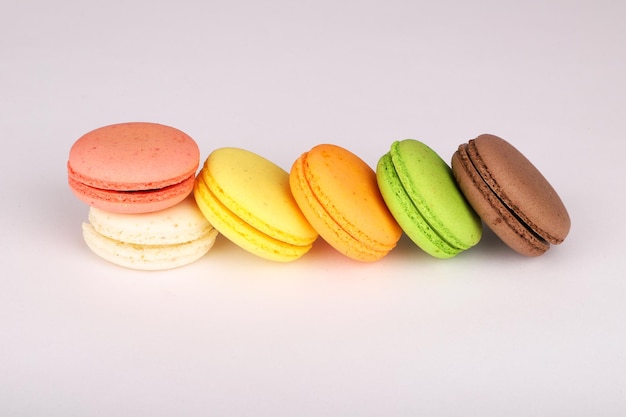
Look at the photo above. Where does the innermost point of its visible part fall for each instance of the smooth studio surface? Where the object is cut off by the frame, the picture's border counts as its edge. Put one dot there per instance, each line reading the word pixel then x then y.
pixel 486 333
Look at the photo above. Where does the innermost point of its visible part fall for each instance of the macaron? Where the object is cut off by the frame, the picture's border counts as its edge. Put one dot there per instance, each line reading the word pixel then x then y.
pixel 158 240
pixel 247 199
pixel 134 167
pixel 337 192
pixel 422 195
pixel 510 194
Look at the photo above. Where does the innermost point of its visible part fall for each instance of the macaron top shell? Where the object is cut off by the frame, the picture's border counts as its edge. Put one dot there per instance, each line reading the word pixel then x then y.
pixel 521 186
pixel 133 156
pixel 422 194
pixel 337 191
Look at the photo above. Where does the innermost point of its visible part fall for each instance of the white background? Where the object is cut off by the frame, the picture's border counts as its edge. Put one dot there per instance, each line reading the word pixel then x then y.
pixel 488 333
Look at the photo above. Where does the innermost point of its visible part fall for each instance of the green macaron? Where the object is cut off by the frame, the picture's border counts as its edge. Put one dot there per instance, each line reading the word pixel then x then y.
pixel 422 195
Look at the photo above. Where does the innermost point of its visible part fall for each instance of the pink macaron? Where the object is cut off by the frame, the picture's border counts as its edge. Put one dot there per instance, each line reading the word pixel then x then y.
pixel 134 167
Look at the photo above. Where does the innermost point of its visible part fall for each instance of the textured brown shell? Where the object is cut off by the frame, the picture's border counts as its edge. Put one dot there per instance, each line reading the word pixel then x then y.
pixel 510 194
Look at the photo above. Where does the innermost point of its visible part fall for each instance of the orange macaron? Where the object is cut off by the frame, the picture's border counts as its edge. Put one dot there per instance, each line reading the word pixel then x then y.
pixel 338 194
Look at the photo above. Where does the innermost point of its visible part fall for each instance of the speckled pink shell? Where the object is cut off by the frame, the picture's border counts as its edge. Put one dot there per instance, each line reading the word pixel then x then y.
pixel 134 167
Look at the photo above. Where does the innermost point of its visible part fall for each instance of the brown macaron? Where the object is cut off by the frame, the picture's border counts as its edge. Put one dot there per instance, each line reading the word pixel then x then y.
pixel 510 195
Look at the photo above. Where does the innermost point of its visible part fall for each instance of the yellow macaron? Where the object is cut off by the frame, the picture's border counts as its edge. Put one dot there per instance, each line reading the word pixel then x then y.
pixel 248 200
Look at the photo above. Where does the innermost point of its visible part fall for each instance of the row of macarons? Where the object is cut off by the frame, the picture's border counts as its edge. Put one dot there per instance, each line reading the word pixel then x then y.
pixel 151 207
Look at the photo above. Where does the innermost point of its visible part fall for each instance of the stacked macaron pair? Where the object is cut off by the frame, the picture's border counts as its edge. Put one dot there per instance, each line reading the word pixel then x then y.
pixel 137 179
pixel 135 173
